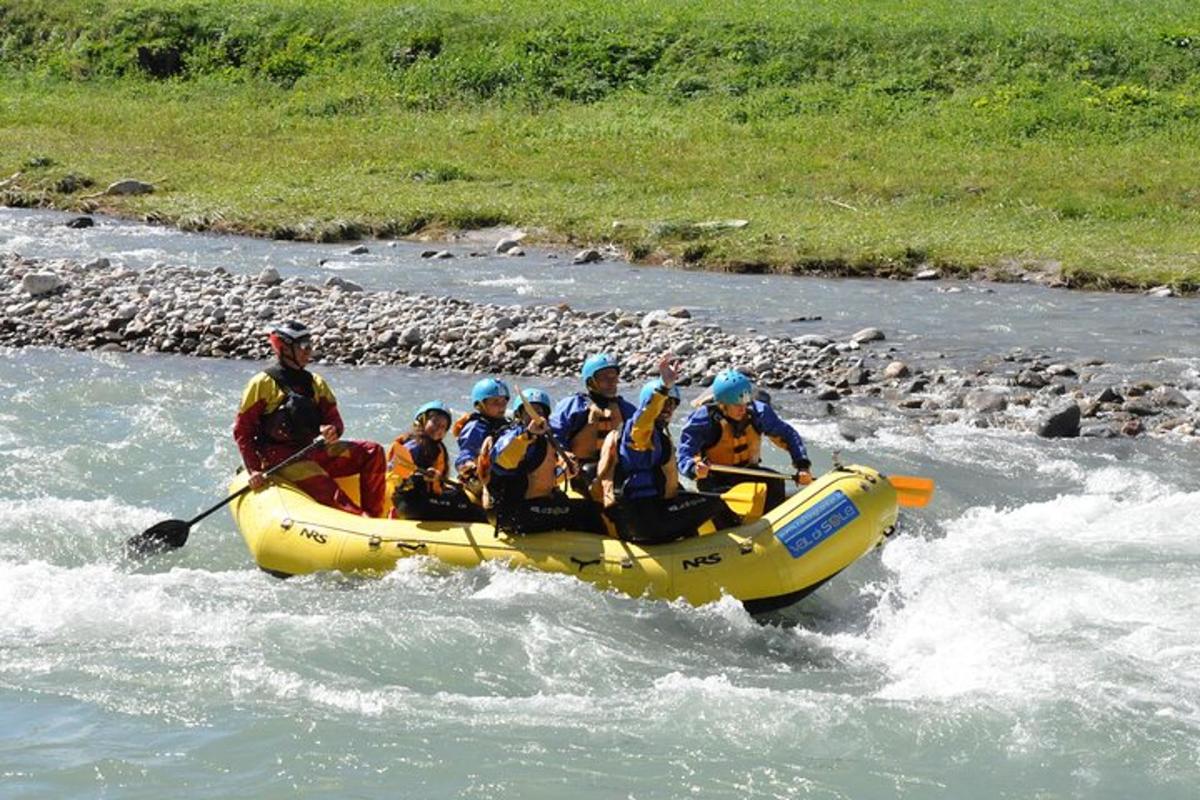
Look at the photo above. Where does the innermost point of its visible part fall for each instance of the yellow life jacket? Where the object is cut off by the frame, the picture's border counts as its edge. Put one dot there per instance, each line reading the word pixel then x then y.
pixel 740 443
pixel 401 466
pixel 601 422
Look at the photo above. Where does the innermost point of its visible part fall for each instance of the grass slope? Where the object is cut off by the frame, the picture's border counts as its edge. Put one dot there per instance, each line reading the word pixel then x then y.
pixel 870 137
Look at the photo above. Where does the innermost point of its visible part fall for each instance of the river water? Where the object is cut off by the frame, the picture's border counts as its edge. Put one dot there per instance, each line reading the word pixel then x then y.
pixel 1032 633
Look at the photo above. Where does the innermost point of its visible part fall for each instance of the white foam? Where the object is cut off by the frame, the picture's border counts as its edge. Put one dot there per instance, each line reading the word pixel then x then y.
pixel 1048 601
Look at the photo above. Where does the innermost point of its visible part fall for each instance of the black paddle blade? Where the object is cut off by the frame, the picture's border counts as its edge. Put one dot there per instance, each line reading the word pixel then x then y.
pixel 166 535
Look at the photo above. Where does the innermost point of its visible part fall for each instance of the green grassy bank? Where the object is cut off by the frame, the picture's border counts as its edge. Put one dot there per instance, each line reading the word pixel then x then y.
pixel 873 137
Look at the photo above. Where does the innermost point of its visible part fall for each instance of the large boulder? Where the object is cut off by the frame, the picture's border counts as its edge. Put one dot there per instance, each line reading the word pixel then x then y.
pixel 1169 397
pixel 1062 422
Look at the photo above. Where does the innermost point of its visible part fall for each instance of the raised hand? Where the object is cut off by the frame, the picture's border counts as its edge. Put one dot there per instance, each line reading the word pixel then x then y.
pixel 670 369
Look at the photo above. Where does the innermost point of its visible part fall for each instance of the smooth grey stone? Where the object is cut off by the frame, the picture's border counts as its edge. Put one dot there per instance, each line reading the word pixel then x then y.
pixel 986 401
pixel 868 335
pixel 38 284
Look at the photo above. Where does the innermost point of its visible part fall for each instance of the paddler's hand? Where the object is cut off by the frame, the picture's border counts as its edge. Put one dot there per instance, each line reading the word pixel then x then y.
pixel 329 433
pixel 538 426
pixel 701 469
pixel 803 477
pixel 670 369
pixel 571 464
pixel 256 481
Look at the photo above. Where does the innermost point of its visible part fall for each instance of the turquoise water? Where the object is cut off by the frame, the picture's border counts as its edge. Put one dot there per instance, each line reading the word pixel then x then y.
pixel 1030 634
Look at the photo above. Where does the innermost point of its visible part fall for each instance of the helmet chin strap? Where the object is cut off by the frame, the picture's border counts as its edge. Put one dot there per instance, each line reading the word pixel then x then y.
pixel 286 353
pixel 601 400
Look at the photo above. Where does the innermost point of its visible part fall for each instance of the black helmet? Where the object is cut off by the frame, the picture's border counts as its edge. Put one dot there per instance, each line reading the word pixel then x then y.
pixel 292 331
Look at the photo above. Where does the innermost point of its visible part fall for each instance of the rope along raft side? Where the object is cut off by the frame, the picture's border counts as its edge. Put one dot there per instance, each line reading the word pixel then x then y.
pixel 769 563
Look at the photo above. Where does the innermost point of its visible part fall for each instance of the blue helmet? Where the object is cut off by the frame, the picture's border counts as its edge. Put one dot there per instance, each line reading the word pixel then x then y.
pixel 595 363
pixel 653 386
pixel 432 405
pixel 732 387
pixel 489 387
pixel 534 396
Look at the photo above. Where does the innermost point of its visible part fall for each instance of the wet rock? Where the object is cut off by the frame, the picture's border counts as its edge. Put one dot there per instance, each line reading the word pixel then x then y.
pixel 1161 291
pixel 1063 422
pixel 358 250
pixel 79 223
pixel 514 252
pixel 679 312
pixel 1031 379
pixel 1132 427
pixel 509 242
pixel 985 401
pixel 1139 407
pixel 1103 430
pixel 928 275
pixel 412 336
pixel 867 335
pixel 1110 395
pixel 896 369
pixel 40 284
pixel 1169 397
pixel 852 430
pixel 429 253
pixel 587 256
pixel 97 263
pixel 443 254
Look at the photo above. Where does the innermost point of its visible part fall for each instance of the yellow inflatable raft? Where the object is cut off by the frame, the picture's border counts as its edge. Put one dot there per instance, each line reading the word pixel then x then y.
pixel 767 564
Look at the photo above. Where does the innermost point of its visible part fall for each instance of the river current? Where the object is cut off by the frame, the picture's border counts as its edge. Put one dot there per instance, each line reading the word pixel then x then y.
pixel 1032 633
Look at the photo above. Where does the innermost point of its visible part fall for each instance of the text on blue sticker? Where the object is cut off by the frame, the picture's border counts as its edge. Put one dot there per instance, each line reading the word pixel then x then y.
pixel 832 513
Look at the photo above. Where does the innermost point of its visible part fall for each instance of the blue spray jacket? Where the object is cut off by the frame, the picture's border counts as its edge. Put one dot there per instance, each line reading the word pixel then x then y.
pixel 470 439
pixel 570 417
pixel 708 431
pixel 646 464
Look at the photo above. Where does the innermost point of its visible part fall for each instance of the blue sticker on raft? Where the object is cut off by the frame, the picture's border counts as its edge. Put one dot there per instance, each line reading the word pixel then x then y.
pixel 814 526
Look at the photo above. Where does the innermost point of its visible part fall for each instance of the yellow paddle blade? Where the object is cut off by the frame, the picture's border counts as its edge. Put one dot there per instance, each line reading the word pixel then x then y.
pixel 746 499
pixel 911 490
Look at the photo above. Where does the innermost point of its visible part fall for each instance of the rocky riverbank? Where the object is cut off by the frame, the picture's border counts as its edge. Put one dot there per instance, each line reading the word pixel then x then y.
pixel 101 306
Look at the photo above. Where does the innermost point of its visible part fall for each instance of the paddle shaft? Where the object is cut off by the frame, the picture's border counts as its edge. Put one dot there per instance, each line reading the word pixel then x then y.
pixel 292 459
pixel 753 473
pixel 532 413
